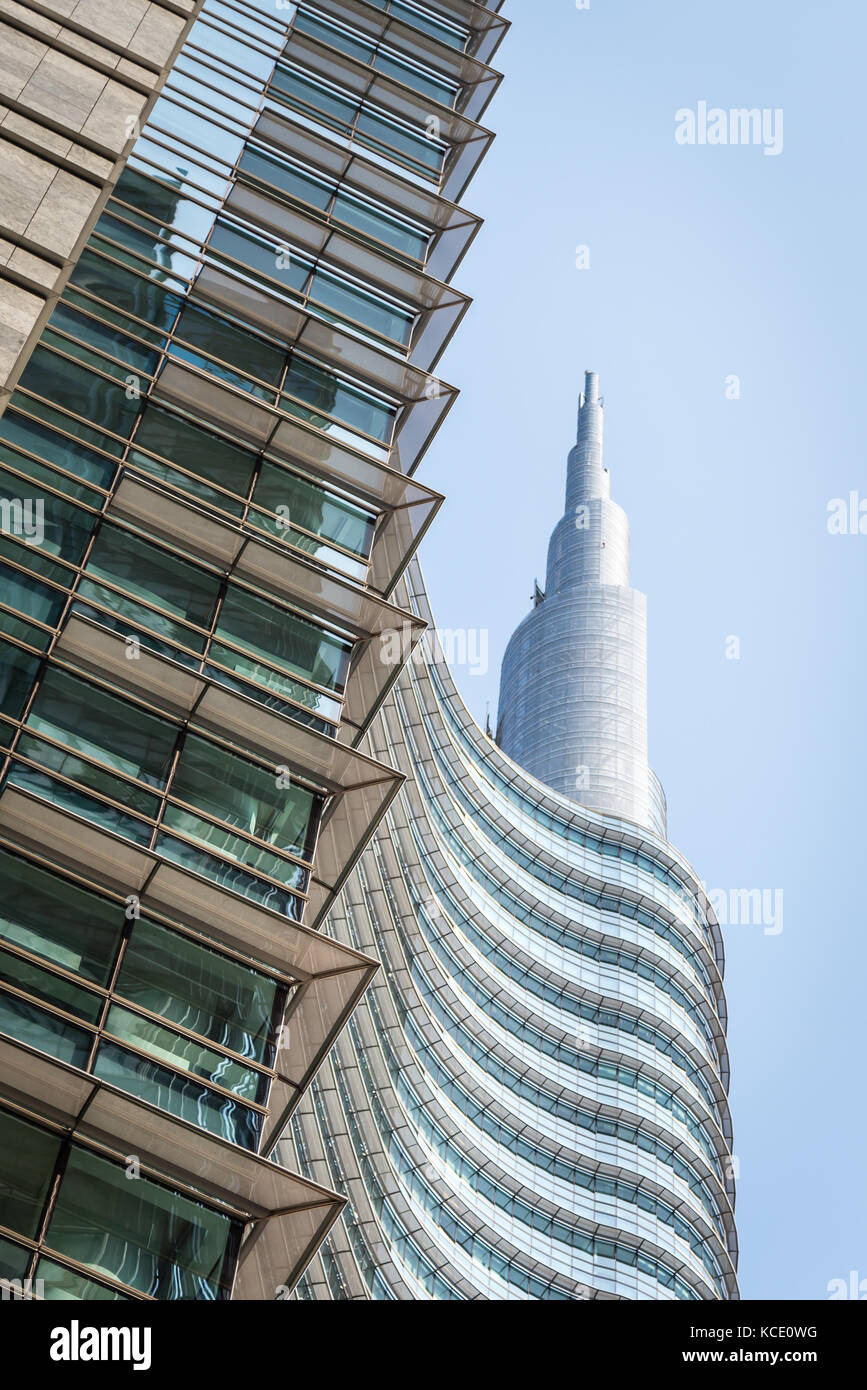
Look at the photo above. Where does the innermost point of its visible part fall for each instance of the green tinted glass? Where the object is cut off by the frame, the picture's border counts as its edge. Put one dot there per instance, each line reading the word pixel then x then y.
pixel 281 637
pixel 27 1159
pixel 58 921
pixel 144 1235
pixel 200 989
pixel 241 794
pixel 101 726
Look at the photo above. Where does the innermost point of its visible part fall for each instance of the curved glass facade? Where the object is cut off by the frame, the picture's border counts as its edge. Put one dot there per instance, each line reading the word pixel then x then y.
pixel 531 1102
pixel 206 502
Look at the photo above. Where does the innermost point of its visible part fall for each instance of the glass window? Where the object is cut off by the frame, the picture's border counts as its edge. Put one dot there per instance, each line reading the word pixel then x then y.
pixel 161 204
pixel 75 427
pixel 58 1282
pixel 305 93
pixel 281 637
pixel 57 920
pixel 181 1095
pixel 326 393
pixel 58 527
pixel 77 802
pixel 425 22
pixel 45 1031
pixel 260 254
pixel 29 1156
pixel 133 294
pixel 142 239
pixel 140 1233
pixel 101 726
pixel 387 136
pixel 356 304
pixel 426 82
pixel 186 1054
pixel 17 673
pixel 210 457
pixel 200 989
pixel 306 505
pixel 54 448
pixel 292 180
pixel 147 571
pixel 378 224
pixel 220 43
pixel 232 877
pixel 105 337
pixel 14 1260
pixel 49 987
pixel 317 192
pixel 74 388
pixel 199 131
pixel 337 38
pixel 29 596
pixel 237 792
pixel 244 354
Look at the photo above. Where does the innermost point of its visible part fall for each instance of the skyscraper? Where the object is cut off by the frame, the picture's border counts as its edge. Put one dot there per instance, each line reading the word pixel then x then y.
pixel 531 1101
pixel 229 231
pixel 573 695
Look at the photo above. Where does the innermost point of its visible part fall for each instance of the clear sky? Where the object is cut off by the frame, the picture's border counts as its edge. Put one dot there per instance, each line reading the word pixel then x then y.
pixel 706 262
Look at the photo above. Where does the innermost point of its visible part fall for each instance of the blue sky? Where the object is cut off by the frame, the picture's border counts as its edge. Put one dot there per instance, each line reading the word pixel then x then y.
pixel 705 262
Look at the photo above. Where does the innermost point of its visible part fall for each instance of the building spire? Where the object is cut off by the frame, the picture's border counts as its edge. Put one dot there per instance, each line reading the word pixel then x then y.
pixel 573 690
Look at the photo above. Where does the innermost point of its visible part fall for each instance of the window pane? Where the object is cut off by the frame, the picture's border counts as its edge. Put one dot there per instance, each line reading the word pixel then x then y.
pixel 200 989
pixel 149 572
pixel 130 293
pixel 285 638
pixel 259 254
pixel 231 876
pixel 53 989
pixel 65 764
pixel 207 455
pixel 45 1031
pixel 54 448
pixel 74 388
pixel 26 1167
pixel 319 388
pixel 185 1054
pixel 57 527
pixel 291 180
pixel 71 426
pixel 108 339
pixel 379 225
pixel 17 673
pixel 179 1095
pixel 146 1236
pixel 241 794
pixel 355 304
pixel 14 1260
pixel 249 355
pixel 101 726
pixel 28 596
pixel 61 1283
pixel 424 82
pixel 308 506
pixel 58 921
pixel 299 91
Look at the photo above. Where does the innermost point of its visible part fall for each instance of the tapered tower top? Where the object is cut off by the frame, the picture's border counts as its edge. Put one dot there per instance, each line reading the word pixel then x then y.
pixel 573 698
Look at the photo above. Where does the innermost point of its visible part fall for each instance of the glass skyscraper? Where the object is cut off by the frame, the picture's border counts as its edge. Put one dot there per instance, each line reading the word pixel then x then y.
pixel 299 970
pixel 229 231
pixel 531 1101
